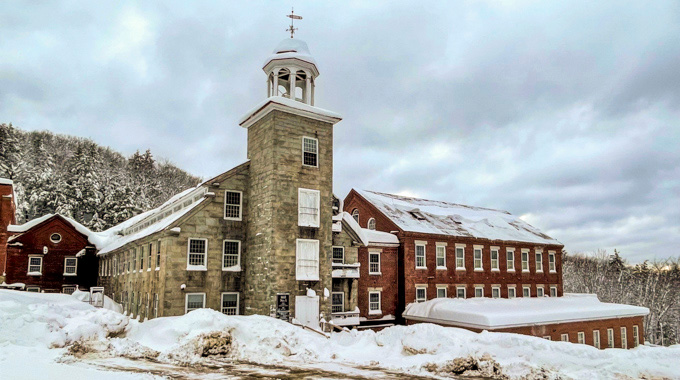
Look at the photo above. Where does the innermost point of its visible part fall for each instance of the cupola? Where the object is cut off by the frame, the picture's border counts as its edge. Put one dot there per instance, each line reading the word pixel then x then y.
pixel 291 71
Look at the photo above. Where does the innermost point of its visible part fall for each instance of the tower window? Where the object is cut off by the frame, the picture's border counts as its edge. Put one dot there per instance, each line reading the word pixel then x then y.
pixel 310 151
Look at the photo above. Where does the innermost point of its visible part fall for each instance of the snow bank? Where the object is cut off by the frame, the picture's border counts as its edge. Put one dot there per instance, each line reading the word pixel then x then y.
pixel 108 302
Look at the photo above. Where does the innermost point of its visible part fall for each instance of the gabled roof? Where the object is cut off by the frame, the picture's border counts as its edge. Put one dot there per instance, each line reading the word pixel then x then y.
pixel 444 218
pixel 93 237
pixel 366 237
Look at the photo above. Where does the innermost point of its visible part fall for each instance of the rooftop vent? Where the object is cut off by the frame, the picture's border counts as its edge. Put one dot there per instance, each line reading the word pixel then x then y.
pixel 417 214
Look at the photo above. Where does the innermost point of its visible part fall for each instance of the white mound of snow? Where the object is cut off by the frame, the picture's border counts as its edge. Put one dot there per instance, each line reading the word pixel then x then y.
pixel 108 302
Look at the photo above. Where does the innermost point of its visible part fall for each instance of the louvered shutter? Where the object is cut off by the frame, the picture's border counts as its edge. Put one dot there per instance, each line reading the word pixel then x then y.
pixel 308 208
pixel 307 258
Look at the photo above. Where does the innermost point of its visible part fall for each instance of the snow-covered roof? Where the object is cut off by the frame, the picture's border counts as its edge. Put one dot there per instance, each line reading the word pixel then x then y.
pixel 444 218
pixel 497 313
pixel 5 181
pixel 94 238
pixel 291 48
pixel 289 105
pixel 368 237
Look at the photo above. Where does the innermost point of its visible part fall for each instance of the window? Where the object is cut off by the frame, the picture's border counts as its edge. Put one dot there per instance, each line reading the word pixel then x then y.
pixel 232 204
pixel 553 291
pixel 338 255
pixel 231 255
pixel 540 291
pixel 141 258
pixel 511 259
pixel 355 215
pixel 636 336
pixel 374 302
pixel 35 265
pixel 134 260
pixel 441 291
pixel 421 293
pixel 512 292
pixel 196 254
pixel 420 256
pixel 55 238
pixel 441 256
pixel 581 337
pixel 610 338
pixel 337 302
pixel 479 291
pixel 551 261
pixel 460 258
pixel 478 259
pixel 158 255
pixel 150 253
pixel 155 305
pixel 496 291
pixel 494 258
pixel 308 208
pixel 564 337
pixel 526 291
pixel 230 303
pixel 547 337
pixel 539 261
pixel 307 260
pixel 525 260
pixel 374 262
pixel 624 338
pixel 310 151
pixel 193 301
pixel 596 338
pixel 35 289
pixel 371 224
pixel 460 292
pixel 70 266
pixel 68 289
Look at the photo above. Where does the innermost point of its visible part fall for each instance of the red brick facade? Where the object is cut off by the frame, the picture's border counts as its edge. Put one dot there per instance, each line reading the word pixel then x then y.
pixel 385 283
pixel 7 217
pixel 33 242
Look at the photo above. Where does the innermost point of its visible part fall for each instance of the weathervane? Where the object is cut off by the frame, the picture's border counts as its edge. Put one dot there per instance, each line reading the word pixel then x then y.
pixel 292 17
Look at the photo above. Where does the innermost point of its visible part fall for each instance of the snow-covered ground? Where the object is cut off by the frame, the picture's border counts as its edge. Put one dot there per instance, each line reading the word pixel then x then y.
pixel 57 336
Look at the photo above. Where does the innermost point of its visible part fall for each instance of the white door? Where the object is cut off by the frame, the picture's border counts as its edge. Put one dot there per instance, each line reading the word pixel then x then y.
pixel 307 311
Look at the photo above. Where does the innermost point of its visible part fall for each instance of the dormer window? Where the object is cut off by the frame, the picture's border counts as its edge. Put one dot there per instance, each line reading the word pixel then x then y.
pixel 310 151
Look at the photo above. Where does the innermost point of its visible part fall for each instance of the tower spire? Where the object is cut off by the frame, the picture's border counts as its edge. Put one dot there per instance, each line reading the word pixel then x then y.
pixel 292 17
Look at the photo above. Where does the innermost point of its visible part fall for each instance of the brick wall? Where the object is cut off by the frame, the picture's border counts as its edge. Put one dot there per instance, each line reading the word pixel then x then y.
pixel 7 217
pixel 386 282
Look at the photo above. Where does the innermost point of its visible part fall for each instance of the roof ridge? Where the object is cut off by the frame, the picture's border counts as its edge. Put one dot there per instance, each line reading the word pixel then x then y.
pixel 404 197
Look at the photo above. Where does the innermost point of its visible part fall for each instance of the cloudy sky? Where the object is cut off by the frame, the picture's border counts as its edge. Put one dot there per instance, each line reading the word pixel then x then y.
pixel 567 113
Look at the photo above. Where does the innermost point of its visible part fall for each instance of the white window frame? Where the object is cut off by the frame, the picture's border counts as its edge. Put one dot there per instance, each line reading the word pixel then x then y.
pixel 552 262
pixel 64 287
pixel 564 337
pixel 443 288
pixel 33 288
pixel 55 241
pixel 596 339
pixel 149 257
pixel 510 252
pixel 75 267
pixel 553 290
pixel 298 273
pixel 155 305
pixel 480 249
pixel 370 269
pixel 540 291
pixel 460 254
pixel 636 336
pixel 343 254
pixel 440 253
pixel 372 311
pixel 240 205
pixel 512 289
pixel 34 273
pixel 233 268
pixel 355 215
pixel 317 151
pixel 158 255
pixel 238 302
pixel 624 337
pixel 610 338
pixel 316 222
pixel 463 288
pixel 539 261
pixel 581 337
pixel 480 288
pixel 495 289
pixel 525 254
pixel 186 301
pixel 203 267
pixel 371 224
pixel 495 263
pixel 547 337
pixel 341 305
pixel 424 289
pixel 424 245
pixel 526 289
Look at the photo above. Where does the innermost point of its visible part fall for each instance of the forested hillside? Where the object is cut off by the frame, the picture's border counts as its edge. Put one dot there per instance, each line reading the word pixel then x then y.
pixel 652 285
pixel 78 178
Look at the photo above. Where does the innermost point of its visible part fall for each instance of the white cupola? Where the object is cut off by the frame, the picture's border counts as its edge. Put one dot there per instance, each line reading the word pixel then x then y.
pixel 291 71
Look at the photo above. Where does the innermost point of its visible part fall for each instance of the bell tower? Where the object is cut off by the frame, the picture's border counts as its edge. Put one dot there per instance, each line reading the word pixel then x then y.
pixel 291 71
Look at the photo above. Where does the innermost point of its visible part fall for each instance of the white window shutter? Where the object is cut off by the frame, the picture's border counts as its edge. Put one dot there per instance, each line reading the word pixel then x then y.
pixel 307 258
pixel 308 208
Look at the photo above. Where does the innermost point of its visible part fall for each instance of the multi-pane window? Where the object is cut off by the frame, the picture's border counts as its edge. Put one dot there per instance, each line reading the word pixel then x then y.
pixel 526 291
pixel 581 337
pixel 35 289
pixel 496 292
pixel 494 259
pixel 551 261
pixel 307 260
pixel 610 338
pixel 194 301
pixel 310 151
pixel 564 337
pixel 512 292
pixel 141 258
pixel 355 215
pixel 479 291
pixel 421 294
pixel 460 258
pixel 197 251
pixel 158 254
pixel 308 207
pixel 540 292
pixel 231 255
pixel 150 253
pixel 636 336
pixel 441 256
pixel 539 261
pixel 553 291
pixel 230 303
pixel 337 302
pixel 338 255
pixel 35 265
pixel 478 258
pixel 232 205
pixel 460 292
pixel 525 260
pixel 624 338
pixel 596 338
pixel 511 260
pixel 374 302
pixel 68 289
pixel 134 259
pixel 371 224
pixel 70 266
pixel 420 256
pixel 374 262
pixel 155 305
pixel 441 292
